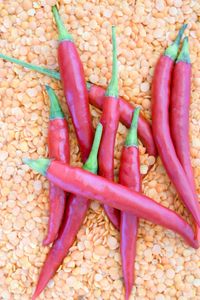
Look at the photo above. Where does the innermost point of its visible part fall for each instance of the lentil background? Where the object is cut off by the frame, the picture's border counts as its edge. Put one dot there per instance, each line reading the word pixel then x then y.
pixel 166 268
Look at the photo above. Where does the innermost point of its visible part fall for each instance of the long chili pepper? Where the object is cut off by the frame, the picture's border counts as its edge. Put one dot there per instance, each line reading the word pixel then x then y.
pixel 160 124
pixel 72 76
pixel 179 110
pixel 91 186
pixel 129 175
pixel 58 146
pixel 96 97
pixel 71 223
pixel 110 122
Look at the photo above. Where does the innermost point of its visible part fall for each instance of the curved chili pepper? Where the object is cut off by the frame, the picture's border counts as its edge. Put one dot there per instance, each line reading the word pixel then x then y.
pixel 75 212
pixel 129 175
pixel 58 146
pixel 72 76
pixel 91 186
pixel 179 111
pixel 160 125
pixel 96 96
pixel 110 122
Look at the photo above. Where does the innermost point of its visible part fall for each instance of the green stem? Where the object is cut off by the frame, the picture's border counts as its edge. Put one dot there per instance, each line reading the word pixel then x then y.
pixel 41 70
pixel 172 50
pixel 112 89
pixel 55 108
pixel 132 138
pixel 184 55
pixel 39 165
pixel 48 72
pixel 64 35
pixel 88 85
pixel 92 162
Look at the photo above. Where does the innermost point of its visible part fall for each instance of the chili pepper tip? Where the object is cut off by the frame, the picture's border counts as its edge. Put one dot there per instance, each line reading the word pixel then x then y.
pixel 132 138
pixel 184 55
pixel 55 108
pixel 172 50
pixel 39 165
pixel 64 35
pixel 112 89
pixel 92 162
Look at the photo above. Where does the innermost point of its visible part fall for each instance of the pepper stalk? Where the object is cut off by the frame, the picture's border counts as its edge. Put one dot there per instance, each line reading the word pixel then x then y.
pixel 64 35
pixel 184 55
pixel 112 90
pixel 132 138
pixel 55 108
pixel 172 50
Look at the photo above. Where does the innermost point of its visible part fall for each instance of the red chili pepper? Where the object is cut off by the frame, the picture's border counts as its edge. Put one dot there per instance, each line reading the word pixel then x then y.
pixel 73 80
pixel 91 186
pixel 96 97
pixel 129 175
pixel 110 122
pixel 58 145
pixel 179 111
pixel 76 209
pixel 161 130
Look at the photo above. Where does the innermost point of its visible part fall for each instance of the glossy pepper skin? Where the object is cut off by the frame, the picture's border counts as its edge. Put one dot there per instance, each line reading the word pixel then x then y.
pixel 91 186
pixel 75 212
pixel 96 96
pixel 129 175
pixel 179 111
pixel 74 86
pixel 110 122
pixel 160 124
pixel 58 146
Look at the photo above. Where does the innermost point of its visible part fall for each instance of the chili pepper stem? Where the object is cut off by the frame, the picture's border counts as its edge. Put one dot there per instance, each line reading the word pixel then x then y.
pixel 184 55
pixel 41 70
pixel 132 138
pixel 172 50
pixel 64 35
pixel 92 162
pixel 39 165
pixel 48 72
pixel 55 108
pixel 112 89
pixel 88 85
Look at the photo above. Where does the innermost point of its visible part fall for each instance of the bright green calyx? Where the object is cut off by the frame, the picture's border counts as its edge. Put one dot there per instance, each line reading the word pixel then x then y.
pixel 184 55
pixel 88 85
pixel 132 139
pixel 48 72
pixel 112 89
pixel 64 35
pixel 39 165
pixel 55 108
pixel 172 50
pixel 92 162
